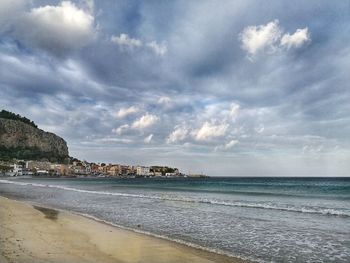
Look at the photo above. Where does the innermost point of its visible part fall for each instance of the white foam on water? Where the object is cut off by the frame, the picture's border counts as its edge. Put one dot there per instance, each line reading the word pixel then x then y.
pixel 179 241
pixel 270 206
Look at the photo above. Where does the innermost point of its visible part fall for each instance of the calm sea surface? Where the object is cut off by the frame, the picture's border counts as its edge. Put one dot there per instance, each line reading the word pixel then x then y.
pixel 261 219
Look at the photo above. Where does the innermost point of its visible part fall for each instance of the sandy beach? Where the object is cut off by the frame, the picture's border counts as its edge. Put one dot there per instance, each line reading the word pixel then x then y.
pixel 35 234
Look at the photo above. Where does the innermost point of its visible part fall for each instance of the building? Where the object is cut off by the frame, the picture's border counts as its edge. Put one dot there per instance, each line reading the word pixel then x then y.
pixel 95 169
pixel 17 169
pixel 60 169
pixel 38 165
pixel 165 171
pixel 131 170
pixel 114 170
pixel 143 170
pixel 121 170
pixel 157 173
pixel 42 173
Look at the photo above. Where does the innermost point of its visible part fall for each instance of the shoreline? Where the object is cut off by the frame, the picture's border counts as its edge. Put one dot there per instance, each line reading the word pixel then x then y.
pixel 74 237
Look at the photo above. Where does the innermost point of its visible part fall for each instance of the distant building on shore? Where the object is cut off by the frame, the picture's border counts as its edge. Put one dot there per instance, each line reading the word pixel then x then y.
pixel 143 171
pixel 78 168
pixel 164 171
pixel 38 165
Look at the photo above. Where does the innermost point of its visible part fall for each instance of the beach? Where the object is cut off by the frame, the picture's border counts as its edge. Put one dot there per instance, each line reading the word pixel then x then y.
pixel 175 220
pixel 37 234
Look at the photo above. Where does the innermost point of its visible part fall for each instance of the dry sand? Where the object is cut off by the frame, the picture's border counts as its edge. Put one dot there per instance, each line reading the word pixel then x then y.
pixel 35 234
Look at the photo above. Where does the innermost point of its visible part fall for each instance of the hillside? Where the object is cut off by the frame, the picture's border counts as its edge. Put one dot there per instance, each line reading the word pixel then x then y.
pixel 23 140
pixel 4 114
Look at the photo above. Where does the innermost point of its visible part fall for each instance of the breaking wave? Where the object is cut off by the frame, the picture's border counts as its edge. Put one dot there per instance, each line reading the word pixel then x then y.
pixel 262 205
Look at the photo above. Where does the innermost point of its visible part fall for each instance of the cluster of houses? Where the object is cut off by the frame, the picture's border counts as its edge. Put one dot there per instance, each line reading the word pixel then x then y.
pixel 83 169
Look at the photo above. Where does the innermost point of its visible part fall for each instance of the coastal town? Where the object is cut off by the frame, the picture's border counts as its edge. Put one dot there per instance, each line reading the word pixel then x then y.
pixel 26 150
pixel 77 168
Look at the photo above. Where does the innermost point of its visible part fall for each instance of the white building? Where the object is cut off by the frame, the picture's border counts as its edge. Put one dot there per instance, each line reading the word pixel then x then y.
pixel 18 170
pixel 143 170
pixel 42 173
pixel 171 174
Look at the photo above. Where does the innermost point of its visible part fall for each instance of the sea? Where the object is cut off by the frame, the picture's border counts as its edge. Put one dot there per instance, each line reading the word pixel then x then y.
pixel 262 219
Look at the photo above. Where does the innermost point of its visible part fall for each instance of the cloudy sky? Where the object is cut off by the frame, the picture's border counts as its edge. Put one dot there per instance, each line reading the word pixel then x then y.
pixel 219 87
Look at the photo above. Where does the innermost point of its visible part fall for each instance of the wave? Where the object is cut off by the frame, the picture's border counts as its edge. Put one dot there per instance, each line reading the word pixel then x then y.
pixel 270 206
pixel 176 240
pixel 164 237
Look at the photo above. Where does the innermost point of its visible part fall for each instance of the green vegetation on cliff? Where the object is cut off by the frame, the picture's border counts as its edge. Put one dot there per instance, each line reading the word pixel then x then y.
pixel 30 153
pixel 21 139
pixel 16 117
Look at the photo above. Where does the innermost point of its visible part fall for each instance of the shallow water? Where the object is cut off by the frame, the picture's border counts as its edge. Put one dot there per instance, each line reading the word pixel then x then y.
pixel 262 219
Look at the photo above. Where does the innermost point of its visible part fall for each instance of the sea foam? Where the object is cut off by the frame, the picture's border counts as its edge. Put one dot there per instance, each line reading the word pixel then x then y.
pixel 245 204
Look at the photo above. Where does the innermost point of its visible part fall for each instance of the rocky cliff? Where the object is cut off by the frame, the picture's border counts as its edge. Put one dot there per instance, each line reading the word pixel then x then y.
pixel 24 141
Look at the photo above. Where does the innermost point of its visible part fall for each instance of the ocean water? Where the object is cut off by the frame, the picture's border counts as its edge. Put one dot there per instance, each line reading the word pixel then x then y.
pixel 260 219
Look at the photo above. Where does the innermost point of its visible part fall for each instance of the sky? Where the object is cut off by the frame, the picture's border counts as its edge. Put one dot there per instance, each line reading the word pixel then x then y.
pixel 231 88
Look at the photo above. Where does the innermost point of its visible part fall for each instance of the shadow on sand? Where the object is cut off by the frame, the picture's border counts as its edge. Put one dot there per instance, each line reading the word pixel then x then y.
pixel 49 213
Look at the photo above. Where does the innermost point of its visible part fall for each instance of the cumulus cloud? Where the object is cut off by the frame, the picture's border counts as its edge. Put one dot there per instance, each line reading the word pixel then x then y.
pixel 159 49
pixel 210 127
pixel 270 37
pixel 227 145
pixel 297 39
pixel 148 139
pixel 121 129
pixel 164 100
pixel 179 134
pixel 208 131
pixel 123 112
pixel 230 144
pixel 123 40
pixel 145 121
pixel 57 29
pixel 256 38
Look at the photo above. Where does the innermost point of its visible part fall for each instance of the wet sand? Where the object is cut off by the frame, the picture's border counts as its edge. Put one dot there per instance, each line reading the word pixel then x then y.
pixel 37 234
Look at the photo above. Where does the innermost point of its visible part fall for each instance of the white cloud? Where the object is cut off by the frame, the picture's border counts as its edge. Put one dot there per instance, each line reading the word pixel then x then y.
pixel 179 134
pixel 269 38
pixel 227 146
pixel 123 112
pixel 209 131
pixel 159 49
pixel 145 121
pixel 230 144
pixel 260 129
pixel 164 100
pixel 148 139
pixel 220 111
pixel 111 140
pixel 125 41
pixel 234 110
pixel 121 129
pixel 56 28
pixel 297 39
pixel 256 38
